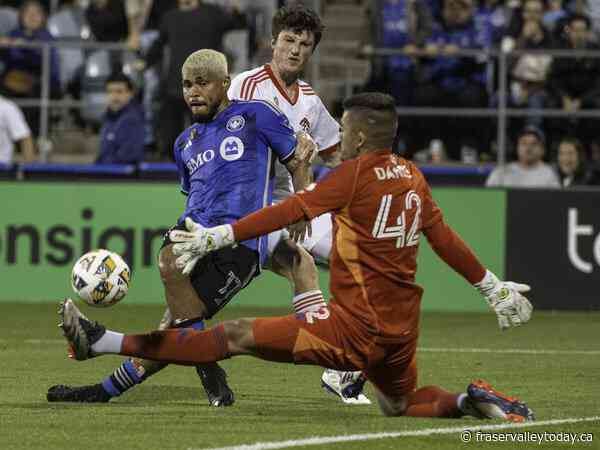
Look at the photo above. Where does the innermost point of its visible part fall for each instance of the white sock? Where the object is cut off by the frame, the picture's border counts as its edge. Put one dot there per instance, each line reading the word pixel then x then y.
pixel 110 342
pixel 460 402
pixel 308 301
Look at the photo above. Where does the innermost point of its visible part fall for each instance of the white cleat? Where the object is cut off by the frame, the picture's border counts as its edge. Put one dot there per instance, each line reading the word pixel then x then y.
pixel 348 386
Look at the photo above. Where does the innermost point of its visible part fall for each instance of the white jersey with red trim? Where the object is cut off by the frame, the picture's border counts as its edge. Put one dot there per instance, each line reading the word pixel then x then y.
pixel 305 112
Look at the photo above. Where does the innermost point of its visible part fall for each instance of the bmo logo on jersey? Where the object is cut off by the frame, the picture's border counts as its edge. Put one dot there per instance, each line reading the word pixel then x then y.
pixel 231 148
pixel 199 160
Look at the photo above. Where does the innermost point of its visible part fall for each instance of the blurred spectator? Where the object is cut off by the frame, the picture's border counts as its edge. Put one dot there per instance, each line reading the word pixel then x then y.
pixel 122 133
pixel 137 12
pixel 491 20
pixel 528 73
pixel 9 19
pixel 452 81
pixel 157 10
pixel 584 7
pixel 591 9
pixel 528 87
pixel 107 20
pixel 397 24
pixel 527 29
pixel 191 26
pixel 23 66
pixel 529 170
pixel 435 6
pixel 575 81
pixel 554 15
pixel 13 128
pixel 571 164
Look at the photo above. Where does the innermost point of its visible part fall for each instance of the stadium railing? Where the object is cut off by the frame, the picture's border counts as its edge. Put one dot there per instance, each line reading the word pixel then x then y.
pixel 501 112
pixel 436 174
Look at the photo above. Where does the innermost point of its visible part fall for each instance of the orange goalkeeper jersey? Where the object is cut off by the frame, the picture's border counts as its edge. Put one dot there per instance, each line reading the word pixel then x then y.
pixel 380 203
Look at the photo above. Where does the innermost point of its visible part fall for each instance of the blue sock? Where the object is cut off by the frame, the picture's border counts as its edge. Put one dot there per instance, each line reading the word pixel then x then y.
pixel 126 376
pixel 196 324
pixel 199 325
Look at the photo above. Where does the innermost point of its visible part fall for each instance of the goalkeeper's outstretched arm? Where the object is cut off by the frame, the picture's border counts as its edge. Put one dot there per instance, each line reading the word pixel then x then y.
pixel 511 308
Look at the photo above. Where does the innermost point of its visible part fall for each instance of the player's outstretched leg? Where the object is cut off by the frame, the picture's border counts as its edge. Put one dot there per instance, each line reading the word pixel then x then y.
pixel 79 331
pixel 130 373
pixel 480 401
pixel 87 339
pixel 487 402
pixel 183 295
pixel 297 265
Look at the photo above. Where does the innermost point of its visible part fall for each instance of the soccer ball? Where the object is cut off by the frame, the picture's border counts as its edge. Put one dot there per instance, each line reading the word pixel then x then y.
pixel 100 278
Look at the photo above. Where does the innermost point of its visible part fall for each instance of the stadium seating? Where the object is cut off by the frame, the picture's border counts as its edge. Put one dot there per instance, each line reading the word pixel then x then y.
pixel 67 25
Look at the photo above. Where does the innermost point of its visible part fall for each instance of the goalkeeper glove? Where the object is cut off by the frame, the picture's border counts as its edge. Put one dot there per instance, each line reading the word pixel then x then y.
pixel 197 242
pixel 504 297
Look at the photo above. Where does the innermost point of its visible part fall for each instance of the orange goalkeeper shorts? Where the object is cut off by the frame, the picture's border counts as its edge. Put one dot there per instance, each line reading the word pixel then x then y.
pixel 329 338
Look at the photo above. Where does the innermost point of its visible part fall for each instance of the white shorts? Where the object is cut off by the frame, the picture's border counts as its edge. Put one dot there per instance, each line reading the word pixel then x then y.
pixel 318 245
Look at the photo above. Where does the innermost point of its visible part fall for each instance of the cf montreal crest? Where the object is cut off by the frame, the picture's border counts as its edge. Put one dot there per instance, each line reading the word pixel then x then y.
pixel 231 148
pixel 236 123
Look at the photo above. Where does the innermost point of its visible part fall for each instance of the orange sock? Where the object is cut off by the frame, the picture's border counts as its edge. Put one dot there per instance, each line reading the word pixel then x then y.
pixel 431 401
pixel 184 346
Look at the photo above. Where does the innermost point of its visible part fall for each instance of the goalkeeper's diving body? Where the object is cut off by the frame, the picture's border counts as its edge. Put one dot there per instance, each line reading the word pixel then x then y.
pixel 381 203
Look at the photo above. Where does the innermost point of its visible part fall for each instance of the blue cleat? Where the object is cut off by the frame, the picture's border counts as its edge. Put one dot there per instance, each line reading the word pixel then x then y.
pixel 491 404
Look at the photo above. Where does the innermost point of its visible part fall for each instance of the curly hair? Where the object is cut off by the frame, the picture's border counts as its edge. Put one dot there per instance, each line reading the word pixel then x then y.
pixel 298 18
pixel 209 64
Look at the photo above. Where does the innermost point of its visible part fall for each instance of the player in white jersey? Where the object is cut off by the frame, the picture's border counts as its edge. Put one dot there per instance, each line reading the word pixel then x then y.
pixel 296 33
pixel 305 112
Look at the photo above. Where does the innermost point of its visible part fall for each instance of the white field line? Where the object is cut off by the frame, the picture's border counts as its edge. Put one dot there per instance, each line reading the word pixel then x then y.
pixel 508 350
pixel 399 434
pixel 520 351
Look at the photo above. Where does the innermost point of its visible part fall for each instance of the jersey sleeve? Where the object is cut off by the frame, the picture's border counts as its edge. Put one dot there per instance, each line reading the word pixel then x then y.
pixel 326 131
pixel 334 192
pixel 275 130
pixel 431 212
pixel 235 88
pixel 17 126
pixel 184 178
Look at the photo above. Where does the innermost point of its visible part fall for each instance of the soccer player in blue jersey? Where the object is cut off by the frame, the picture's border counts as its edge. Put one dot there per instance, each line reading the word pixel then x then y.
pixel 224 161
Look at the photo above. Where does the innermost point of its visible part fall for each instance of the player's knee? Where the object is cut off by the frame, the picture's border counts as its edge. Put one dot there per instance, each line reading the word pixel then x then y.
pixel 240 337
pixel 392 411
pixel 392 407
pixel 166 265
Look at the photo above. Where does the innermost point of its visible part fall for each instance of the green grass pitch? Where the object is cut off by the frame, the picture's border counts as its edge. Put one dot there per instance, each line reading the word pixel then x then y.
pixel 558 376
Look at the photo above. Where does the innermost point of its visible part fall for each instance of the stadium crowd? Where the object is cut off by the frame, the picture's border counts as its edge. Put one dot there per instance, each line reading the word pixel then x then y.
pixel 430 71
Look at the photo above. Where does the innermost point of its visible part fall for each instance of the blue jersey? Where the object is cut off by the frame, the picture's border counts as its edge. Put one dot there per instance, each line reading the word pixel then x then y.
pixel 225 165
